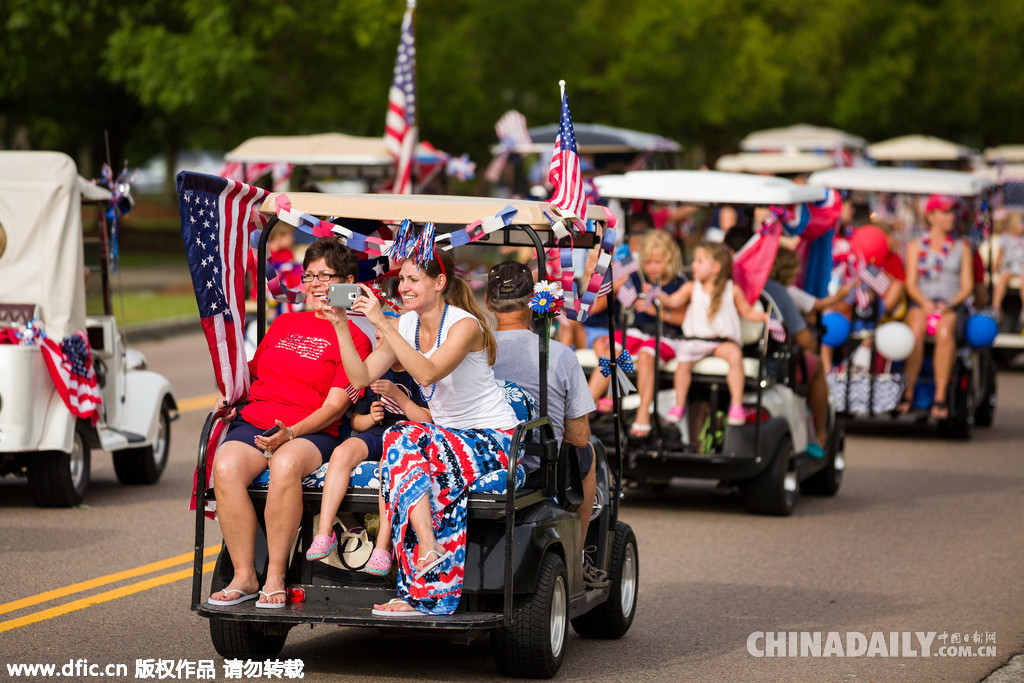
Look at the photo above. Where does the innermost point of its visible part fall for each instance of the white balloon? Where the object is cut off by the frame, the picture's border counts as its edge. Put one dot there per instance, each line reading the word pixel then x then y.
pixel 894 340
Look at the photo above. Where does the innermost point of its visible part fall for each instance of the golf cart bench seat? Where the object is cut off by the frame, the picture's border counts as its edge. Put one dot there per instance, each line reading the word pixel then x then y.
pixel 710 366
pixel 13 315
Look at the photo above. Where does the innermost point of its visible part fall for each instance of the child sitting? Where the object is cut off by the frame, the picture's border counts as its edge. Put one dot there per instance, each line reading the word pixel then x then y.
pixel 391 399
pixel 1009 261
pixel 660 274
pixel 711 327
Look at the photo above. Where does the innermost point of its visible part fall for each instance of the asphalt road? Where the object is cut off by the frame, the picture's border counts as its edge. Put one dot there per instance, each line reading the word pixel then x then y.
pixel 925 536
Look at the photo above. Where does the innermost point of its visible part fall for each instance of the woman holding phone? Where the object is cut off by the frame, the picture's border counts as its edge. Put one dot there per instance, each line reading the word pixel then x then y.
pixel 291 423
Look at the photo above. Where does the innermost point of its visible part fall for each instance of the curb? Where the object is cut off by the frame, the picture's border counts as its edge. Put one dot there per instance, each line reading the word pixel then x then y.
pixel 162 329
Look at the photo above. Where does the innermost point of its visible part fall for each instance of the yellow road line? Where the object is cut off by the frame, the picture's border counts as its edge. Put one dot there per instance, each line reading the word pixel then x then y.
pixel 204 402
pixel 114 594
pixel 103 580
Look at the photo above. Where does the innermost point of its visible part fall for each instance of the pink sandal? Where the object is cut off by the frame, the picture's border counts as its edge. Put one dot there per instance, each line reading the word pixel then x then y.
pixel 321 547
pixel 675 414
pixel 605 405
pixel 379 563
pixel 737 416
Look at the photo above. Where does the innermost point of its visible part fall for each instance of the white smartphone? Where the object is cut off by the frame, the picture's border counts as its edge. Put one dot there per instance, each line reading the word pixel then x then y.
pixel 341 295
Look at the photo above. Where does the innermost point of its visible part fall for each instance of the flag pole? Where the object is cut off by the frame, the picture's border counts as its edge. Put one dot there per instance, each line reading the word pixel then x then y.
pixel 414 165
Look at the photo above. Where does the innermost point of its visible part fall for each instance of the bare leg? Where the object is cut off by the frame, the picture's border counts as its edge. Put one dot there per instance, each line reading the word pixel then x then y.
pixel 384 533
pixel 826 357
pixel 916 320
pixel 817 397
pixel 731 354
pixel 645 382
pixel 234 468
pixel 346 456
pixel 684 369
pixel 999 291
pixel 945 351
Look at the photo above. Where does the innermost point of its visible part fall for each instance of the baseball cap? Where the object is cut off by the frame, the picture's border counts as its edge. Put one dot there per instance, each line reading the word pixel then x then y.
pixel 939 202
pixel 509 280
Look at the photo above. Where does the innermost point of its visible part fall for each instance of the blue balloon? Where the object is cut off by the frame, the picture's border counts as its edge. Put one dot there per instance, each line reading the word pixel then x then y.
pixel 837 329
pixel 980 331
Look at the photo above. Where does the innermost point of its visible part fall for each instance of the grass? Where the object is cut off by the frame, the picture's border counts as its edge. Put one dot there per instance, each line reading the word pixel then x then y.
pixel 140 307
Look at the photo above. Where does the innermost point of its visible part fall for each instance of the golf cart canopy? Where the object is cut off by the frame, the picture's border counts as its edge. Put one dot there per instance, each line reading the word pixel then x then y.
pixel 596 138
pixel 438 209
pixel 1004 153
pixel 903 181
pixel 706 187
pixel 774 162
pixel 801 137
pixel 41 197
pixel 918 148
pixel 324 149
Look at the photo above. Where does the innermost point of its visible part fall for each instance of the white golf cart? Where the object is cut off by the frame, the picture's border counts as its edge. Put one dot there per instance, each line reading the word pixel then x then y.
pixel 767 460
pixel 898 194
pixel 43 283
pixel 523 581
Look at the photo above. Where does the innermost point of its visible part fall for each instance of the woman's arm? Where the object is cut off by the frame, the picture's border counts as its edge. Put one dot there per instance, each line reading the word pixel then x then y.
pixel 333 407
pixel 463 337
pixel 409 407
pixel 913 292
pixel 966 276
pixel 360 372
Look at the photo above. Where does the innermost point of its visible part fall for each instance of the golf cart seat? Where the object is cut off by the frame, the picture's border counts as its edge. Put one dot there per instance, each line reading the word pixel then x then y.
pixel 13 315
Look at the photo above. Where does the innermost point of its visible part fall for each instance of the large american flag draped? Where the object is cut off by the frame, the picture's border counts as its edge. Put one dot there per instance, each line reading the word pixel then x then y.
pixel 70 366
pixel 217 217
pixel 564 173
pixel 400 122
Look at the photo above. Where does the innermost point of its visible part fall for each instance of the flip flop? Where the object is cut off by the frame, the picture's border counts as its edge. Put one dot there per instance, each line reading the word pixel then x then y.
pixel 639 431
pixel 243 597
pixel 440 558
pixel 272 605
pixel 903 407
pixel 940 410
pixel 394 612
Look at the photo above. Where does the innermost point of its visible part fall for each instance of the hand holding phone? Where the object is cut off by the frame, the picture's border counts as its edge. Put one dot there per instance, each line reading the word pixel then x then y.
pixel 270 432
pixel 342 295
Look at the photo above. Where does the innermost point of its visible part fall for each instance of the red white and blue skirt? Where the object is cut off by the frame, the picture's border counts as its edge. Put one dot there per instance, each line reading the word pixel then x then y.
pixel 422 459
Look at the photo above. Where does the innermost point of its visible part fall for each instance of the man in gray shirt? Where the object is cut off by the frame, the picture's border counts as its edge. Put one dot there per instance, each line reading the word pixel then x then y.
pixel 509 289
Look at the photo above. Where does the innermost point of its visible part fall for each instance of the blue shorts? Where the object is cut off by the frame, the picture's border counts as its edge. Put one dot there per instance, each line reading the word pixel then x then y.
pixel 240 430
pixel 374 441
pixel 594 333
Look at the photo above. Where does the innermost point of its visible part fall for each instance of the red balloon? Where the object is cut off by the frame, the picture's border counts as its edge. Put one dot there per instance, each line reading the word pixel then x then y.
pixel 869 244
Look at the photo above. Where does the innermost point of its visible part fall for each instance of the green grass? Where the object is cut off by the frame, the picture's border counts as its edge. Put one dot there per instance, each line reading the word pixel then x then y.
pixel 140 307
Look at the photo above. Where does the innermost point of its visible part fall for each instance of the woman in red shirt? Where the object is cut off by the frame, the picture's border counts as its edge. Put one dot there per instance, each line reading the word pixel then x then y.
pixel 298 386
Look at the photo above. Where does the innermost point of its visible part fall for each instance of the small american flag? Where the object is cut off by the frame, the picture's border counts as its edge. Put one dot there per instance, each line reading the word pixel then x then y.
pixel 776 330
pixel 861 296
pixel 873 277
pixel 70 366
pixel 400 122
pixel 513 135
pixel 606 284
pixel 627 294
pixel 564 174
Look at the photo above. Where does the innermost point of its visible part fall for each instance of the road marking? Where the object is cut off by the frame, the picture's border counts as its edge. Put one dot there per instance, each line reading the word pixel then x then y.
pixel 204 402
pixel 103 581
pixel 114 594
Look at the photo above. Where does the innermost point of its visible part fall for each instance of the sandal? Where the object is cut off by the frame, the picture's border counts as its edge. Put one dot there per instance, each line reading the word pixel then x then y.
pixel 605 405
pixel 639 431
pixel 675 414
pixel 379 563
pixel 903 407
pixel 322 546
pixel 940 410
pixel 737 416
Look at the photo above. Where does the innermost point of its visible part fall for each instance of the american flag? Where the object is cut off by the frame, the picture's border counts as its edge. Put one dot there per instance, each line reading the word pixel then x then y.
pixel 400 122
pixel 564 174
pixel 873 277
pixel 776 330
pixel 217 217
pixel 513 135
pixel 627 294
pixel 70 366
pixel 606 284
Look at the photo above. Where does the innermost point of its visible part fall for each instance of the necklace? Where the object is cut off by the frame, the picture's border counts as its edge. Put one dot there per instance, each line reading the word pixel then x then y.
pixel 938 260
pixel 433 387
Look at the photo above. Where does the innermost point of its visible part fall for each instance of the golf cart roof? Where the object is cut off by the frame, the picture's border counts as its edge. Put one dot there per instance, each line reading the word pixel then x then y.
pixel 439 209
pixel 706 187
pixel 903 180
pixel 323 149
pixel 774 162
pixel 918 148
pixel 1008 153
pixel 803 137
pixel 597 138
pixel 41 197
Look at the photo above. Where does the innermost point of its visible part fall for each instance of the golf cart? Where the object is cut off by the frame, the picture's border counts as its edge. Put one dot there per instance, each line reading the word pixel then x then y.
pixel 43 289
pixel 768 458
pixel 972 387
pixel 523 572
pixel 1006 168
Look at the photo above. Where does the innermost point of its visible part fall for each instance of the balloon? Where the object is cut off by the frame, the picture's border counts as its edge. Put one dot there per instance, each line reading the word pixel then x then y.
pixel 980 331
pixel 869 243
pixel 837 329
pixel 894 340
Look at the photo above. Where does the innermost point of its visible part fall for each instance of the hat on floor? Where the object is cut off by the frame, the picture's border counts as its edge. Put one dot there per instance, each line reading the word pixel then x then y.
pixel 509 280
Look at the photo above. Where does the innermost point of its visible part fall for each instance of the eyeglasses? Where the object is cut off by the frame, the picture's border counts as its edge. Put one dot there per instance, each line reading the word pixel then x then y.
pixel 322 277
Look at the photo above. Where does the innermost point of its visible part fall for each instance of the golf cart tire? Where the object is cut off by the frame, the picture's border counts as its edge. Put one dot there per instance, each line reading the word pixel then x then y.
pixel 534 646
pixel 612 618
pixel 985 411
pixel 769 493
pixel 960 423
pixel 59 479
pixel 246 639
pixel 826 482
pixel 145 465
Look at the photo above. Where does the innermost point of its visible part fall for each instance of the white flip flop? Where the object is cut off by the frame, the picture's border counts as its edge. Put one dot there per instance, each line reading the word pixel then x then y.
pixel 395 613
pixel 243 597
pixel 440 558
pixel 272 605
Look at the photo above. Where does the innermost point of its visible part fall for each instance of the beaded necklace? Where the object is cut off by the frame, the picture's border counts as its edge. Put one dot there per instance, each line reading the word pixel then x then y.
pixel 433 387
pixel 940 259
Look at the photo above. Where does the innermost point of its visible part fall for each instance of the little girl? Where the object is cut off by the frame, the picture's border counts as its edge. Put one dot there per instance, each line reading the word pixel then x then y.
pixel 660 274
pixel 393 398
pixel 1010 257
pixel 711 327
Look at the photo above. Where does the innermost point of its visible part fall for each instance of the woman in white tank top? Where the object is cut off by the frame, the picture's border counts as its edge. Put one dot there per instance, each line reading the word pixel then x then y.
pixel 711 327
pixel 426 468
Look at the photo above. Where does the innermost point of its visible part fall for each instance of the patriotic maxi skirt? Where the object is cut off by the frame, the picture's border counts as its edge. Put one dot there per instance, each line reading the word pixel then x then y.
pixel 428 460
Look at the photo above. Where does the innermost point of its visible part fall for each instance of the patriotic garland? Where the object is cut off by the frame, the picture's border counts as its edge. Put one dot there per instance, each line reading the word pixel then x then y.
pixel 922 257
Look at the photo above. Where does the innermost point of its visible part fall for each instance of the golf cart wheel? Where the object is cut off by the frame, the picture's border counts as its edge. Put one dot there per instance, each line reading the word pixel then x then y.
pixel 827 481
pixel 960 423
pixel 59 479
pixel 611 619
pixel 774 491
pixel 145 465
pixel 241 639
pixel 534 646
pixel 985 411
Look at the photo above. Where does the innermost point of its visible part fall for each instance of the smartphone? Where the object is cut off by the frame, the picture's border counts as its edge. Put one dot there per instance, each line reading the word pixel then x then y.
pixel 270 432
pixel 343 294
